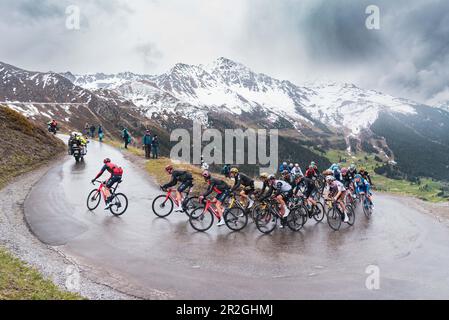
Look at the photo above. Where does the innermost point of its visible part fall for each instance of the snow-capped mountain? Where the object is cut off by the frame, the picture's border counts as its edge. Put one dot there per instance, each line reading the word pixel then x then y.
pixel 231 87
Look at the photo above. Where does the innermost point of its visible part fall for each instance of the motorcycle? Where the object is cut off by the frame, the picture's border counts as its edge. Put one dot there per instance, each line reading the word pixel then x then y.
pixel 77 151
pixel 52 129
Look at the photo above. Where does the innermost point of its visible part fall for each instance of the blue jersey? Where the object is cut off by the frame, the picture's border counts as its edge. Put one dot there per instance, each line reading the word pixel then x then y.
pixel 362 186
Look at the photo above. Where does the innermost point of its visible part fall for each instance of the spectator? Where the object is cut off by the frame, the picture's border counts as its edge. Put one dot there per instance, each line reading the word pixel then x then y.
pixel 126 137
pixel 100 133
pixel 147 141
pixel 86 129
pixel 155 147
pixel 92 131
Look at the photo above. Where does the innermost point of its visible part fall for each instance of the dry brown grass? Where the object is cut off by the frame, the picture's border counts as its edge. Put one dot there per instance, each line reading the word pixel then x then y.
pixel 23 145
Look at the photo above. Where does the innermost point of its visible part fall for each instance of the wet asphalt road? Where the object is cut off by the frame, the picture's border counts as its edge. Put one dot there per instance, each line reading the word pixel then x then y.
pixel 166 258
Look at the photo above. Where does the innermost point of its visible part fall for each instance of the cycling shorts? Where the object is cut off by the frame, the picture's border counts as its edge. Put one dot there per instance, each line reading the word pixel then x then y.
pixel 113 180
pixel 184 185
pixel 222 196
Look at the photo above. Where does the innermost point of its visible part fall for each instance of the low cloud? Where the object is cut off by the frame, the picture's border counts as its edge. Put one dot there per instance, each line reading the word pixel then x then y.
pixel 295 40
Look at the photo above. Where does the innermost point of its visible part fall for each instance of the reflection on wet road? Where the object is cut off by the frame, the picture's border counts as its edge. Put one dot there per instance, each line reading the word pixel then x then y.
pixel 166 258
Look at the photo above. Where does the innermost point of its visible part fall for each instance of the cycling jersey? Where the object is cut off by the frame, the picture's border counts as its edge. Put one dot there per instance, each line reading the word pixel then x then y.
pixel 281 186
pixel 113 169
pixel 242 179
pixel 178 176
pixel 362 186
pixel 310 187
pixel 311 172
pixel 351 174
pixel 366 176
pixel 216 185
pixel 296 171
pixel 336 187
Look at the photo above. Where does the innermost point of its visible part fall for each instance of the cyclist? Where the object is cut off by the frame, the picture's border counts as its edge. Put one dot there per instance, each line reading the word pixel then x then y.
pixel 337 192
pixel 186 180
pixel 363 187
pixel 221 188
pixel 282 192
pixel 241 179
pixel 283 166
pixel 365 175
pixel 288 177
pixel 264 177
pixel 290 167
pixel 312 171
pixel 116 177
pixel 352 171
pixel 310 188
pixel 346 179
pixel 336 172
pixel 296 170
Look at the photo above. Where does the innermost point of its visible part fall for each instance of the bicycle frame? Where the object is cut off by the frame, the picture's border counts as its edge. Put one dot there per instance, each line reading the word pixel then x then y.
pixel 209 206
pixel 170 195
pixel 103 185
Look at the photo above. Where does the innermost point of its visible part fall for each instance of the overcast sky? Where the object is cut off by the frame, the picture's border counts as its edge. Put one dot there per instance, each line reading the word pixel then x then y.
pixel 296 40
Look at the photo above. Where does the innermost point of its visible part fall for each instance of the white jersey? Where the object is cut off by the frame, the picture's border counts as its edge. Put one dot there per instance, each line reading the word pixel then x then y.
pixel 296 171
pixel 282 186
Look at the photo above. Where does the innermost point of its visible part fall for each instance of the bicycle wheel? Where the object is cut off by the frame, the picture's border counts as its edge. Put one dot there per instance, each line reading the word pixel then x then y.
pixel 367 209
pixel 93 200
pixel 235 218
pixel 119 204
pixel 295 220
pixel 201 220
pixel 334 219
pixel 162 206
pixel 318 212
pixel 351 214
pixel 266 220
pixel 190 204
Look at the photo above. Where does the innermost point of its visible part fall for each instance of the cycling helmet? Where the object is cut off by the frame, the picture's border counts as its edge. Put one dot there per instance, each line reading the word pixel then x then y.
pixel 206 174
pixel 330 178
pixel 312 163
pixel 291 165
pixel 357 176
pixel 344 171
pixel 169 168
pixel 362 169
pixel 285 172
pixel 297 165
pixel 264 175
pixel 271 177
pixel 234 170
pixel 284 163
pixel 107 160
pixel 352 166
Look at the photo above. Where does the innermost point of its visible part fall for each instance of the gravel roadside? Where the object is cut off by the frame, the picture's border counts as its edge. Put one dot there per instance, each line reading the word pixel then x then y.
pixel 17 239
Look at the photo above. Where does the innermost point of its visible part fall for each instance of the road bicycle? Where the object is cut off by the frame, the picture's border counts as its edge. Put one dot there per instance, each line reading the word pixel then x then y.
pixel 268 214
pixel 202 218
pixel 366 205
pixel 163 204
pixel 335 217
pixel 119 202
pixel 316 212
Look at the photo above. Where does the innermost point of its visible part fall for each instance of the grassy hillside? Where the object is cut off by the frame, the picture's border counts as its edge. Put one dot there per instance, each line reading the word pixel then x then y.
pixel 24 146
pixel 20 282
